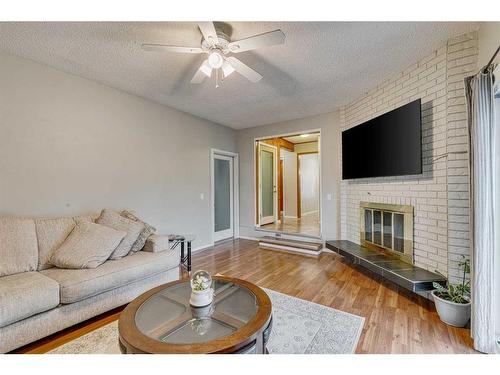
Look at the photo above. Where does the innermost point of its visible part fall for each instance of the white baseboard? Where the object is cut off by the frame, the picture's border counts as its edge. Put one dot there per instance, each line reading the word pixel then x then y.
pixel 310 213
pixel 201 248
pixel 210 246
pixel 248 238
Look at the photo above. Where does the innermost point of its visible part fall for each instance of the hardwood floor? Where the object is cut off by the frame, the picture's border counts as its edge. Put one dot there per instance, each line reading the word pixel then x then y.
pixel 396 321
pixel 57 339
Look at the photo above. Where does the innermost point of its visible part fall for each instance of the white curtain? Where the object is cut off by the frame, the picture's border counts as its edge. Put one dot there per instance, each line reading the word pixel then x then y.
pixel 483 132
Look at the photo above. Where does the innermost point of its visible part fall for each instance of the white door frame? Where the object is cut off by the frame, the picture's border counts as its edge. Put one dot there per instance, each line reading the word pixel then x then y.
pixel 320 152
pixel 236 191
pixel 229 232
pixel 274 218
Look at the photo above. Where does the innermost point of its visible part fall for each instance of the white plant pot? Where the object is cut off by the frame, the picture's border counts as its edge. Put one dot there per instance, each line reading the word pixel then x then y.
pixel 453 314
pixel 200 298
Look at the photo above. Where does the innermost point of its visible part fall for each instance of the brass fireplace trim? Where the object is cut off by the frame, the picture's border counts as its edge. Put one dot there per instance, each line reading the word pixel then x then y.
pixel 406 211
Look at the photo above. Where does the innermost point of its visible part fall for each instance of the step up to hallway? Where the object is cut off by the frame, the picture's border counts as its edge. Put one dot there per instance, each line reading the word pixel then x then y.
pixel 293 246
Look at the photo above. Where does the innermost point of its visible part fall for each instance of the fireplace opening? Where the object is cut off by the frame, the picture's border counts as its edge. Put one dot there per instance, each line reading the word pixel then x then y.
pixel 387 227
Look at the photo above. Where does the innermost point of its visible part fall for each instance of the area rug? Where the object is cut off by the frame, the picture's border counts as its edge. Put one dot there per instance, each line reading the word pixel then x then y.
pixel 299 327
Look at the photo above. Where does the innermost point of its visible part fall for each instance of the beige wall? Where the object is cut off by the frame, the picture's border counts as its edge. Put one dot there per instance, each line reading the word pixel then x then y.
pixel 69 146
pixel 489 40
pixel 329 124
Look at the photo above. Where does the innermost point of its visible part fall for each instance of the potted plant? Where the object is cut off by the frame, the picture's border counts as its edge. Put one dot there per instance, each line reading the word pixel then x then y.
pixel 453 302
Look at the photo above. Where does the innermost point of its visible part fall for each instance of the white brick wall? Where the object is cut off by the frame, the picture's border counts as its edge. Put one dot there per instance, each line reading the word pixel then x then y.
pixel 461 62
pixel 440 195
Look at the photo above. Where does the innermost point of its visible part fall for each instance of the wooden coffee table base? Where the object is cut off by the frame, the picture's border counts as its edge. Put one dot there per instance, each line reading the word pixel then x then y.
pixel 249 338
pixel 251 348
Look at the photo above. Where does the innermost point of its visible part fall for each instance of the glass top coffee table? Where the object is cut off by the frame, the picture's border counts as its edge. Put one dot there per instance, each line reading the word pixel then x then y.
pixel 162 320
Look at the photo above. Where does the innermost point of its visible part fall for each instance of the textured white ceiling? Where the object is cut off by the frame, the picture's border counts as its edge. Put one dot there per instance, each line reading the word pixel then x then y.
pixel 299 139
pixel 321 66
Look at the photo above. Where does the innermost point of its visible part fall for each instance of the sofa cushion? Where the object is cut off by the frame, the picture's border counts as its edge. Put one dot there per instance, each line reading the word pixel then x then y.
pixel 87 246
pixel 145 233
pixel 157 242
pixel 76 285
pixel 51 234
pixel 18 245
pixel 25 294
pixel 114 220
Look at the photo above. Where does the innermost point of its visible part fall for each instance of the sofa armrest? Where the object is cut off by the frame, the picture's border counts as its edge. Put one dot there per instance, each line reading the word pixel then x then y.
pixel 156 243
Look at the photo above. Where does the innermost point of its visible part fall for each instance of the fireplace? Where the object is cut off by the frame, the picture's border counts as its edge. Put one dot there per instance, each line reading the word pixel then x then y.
pixel 387 227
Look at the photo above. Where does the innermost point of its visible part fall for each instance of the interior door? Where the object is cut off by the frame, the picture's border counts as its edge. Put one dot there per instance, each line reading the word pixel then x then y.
pixel 268 202
pixel 223 197
pixel 309 183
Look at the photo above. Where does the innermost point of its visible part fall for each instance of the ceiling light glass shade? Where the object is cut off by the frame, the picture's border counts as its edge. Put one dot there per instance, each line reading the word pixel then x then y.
pixel 227 69
pixel 205 68
pixel 215 59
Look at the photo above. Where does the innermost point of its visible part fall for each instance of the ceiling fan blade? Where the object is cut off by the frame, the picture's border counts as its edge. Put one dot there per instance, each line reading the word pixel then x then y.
pixel 165 48
pixel 208 31
pixel 271 38
pixel 244 69
pixel 203 72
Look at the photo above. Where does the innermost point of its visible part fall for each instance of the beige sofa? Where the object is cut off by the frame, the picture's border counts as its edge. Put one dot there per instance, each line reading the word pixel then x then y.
pixel 37 299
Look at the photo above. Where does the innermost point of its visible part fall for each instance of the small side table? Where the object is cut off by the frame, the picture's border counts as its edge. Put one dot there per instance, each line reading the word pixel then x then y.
pixel 185 243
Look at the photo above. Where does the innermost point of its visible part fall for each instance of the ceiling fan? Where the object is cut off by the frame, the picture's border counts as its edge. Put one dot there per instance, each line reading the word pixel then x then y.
pixel 216 43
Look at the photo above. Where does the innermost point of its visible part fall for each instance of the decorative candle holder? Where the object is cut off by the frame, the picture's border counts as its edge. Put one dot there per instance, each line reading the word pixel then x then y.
pixel 202 293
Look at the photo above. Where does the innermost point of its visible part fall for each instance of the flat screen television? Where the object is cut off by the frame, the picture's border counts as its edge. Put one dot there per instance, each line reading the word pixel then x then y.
pixel 388 145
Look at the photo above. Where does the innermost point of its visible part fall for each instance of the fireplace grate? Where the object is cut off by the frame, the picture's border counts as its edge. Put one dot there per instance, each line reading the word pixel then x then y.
pixel 388 227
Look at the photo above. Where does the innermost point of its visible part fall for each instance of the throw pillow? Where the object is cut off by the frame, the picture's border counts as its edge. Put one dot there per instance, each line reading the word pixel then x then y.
pixel 143 236
pixel 114 220
pixel 87 246
pixel 51 234
pixel 18 246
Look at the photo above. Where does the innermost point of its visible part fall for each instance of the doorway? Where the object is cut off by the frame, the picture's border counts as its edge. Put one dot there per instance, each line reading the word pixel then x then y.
pixel 224 166
pixel 288 184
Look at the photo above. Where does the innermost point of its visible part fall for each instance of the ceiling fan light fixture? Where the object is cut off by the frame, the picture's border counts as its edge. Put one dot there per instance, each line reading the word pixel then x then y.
pixel 227 69
pixel 215 59
pixel 216 43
